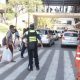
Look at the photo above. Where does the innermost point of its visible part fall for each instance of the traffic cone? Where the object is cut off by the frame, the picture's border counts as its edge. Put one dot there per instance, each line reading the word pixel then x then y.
pixel 77 62
pixel 0 57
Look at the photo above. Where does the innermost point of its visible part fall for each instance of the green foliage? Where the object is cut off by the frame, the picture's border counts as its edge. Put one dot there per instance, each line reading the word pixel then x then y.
pixel 43 22
pixel 10 16
pixel 14 2
pixel 3 28
pixel 30 4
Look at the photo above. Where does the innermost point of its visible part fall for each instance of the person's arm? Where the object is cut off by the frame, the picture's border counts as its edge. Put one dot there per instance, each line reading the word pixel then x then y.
pixel 25 35
pixel 41 43
pixel 39 38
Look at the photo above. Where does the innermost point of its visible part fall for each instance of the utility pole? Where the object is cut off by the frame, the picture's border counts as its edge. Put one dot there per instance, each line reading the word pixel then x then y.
pixel 63 7
pixel 28 13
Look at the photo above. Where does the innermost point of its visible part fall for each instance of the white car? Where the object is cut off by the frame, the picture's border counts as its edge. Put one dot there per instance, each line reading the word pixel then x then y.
pixel 46 37
pixel 70 38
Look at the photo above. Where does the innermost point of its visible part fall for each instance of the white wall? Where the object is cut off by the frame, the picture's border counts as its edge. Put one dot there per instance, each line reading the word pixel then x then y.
pixel 3 1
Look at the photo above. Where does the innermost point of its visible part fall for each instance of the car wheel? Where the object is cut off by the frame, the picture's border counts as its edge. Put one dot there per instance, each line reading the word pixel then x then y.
pixel 49 44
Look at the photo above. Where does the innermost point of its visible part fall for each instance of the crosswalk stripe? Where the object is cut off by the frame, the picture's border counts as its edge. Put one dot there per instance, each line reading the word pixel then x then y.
pixel 15 55
pixel 19 70
pixel 3 69
pixel 74 53
pixel 68 71
pixel 6 67
pixel 32 75
pixel 21 76
pixel 53 67
pixel 52 72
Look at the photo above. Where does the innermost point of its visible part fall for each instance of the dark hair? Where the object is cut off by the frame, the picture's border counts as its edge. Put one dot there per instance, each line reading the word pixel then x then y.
pixel 25 29
pixel 15 30
pixel 11 26
pixel 32 26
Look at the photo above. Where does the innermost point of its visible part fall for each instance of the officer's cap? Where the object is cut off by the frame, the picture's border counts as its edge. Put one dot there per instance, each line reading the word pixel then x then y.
pixel 32 25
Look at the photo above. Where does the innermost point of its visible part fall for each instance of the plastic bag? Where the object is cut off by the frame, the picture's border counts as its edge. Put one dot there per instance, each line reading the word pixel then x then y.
pixel 7 55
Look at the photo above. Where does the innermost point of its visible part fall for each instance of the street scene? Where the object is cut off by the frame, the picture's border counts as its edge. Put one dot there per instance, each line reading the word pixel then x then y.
pixel 55 63
pixel 39 40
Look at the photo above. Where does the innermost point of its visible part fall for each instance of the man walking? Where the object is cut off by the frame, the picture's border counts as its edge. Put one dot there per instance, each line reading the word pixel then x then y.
pixel 32 37
pixel 9 39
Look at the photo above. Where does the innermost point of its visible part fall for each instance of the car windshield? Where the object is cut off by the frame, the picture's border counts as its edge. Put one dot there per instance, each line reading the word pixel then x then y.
pixel 71 34
pixel 44 31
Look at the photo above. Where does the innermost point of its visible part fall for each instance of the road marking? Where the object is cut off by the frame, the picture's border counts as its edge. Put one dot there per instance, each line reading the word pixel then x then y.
pixel 18 70
pixel 51 75
pixel 68 71
pixel 74 53
pixel 8 66
pixel 33 74
pixel 14 55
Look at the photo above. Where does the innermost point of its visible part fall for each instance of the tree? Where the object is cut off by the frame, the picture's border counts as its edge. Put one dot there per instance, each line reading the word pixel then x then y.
pixel 30 6
pixel 42 22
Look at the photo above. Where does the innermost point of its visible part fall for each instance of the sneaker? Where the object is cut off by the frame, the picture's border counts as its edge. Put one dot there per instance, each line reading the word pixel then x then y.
pixel 30 69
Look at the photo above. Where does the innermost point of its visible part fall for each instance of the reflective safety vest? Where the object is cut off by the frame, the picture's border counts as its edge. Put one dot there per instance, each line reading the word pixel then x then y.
pixel 32 36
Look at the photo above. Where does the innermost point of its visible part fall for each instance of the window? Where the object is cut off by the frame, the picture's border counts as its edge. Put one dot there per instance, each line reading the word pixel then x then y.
pixel 71 34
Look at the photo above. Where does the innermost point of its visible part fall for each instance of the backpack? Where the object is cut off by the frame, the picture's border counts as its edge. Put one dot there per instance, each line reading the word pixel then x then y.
pixel 4 41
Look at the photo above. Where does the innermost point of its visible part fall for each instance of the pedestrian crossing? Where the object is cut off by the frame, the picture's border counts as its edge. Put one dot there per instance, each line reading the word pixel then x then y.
pixel 55 64
pixel 68 71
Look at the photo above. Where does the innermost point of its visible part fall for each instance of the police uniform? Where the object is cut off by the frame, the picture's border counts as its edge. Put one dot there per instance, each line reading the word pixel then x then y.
pixel 32 36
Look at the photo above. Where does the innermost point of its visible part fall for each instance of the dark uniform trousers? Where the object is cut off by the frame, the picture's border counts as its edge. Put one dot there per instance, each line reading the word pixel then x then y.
pixel 23 49
pixel 32 53
pixel 11 48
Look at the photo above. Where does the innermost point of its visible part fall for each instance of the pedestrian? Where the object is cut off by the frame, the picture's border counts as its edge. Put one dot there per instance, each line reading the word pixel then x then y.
pixel 9 39
pixel 24 43
pixel 32 36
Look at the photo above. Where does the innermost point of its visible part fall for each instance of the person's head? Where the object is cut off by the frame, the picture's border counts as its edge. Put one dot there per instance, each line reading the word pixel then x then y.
pixel 15 30
pixel 32 26
pixel 25 29
pixel 11 27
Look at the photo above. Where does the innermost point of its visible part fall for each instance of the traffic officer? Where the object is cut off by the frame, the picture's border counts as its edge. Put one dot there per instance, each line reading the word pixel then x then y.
pixel 32 36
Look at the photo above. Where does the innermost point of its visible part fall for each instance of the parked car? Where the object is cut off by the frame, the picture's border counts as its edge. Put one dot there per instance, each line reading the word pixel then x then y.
pixel 70 38
pixel 46 36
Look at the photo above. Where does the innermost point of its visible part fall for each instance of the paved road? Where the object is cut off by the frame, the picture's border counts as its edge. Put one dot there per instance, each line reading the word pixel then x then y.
pixel 56 63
